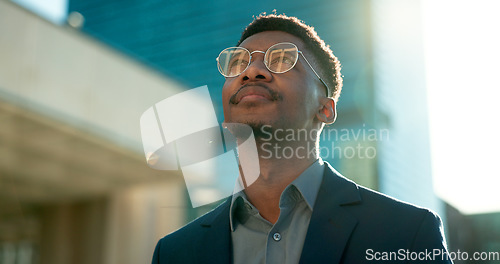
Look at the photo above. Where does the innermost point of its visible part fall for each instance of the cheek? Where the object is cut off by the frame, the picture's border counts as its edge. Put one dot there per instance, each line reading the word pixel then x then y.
pixel 226 91
pixel 306 92
pixel 309 99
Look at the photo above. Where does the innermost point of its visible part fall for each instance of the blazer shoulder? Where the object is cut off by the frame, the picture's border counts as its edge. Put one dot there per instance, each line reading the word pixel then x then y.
pixel 418 228
pixel 202 221
pixel 389 205
pixel 398 223
pixel 177 247
pixel 350 193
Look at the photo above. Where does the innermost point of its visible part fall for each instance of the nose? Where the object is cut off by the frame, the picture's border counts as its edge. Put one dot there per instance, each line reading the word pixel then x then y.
pixel 257 70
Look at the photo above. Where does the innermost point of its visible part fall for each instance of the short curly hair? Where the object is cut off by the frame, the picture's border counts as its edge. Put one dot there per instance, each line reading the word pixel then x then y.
pixel 329 63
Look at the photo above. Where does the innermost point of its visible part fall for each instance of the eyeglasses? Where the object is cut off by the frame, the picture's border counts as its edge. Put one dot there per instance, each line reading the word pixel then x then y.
pixel 279 58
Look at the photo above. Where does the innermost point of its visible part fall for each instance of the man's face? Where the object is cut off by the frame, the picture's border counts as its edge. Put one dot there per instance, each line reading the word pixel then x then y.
pixel 259 97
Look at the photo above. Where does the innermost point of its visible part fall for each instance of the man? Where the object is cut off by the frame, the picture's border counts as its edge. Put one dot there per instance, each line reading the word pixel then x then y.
pixel 283 79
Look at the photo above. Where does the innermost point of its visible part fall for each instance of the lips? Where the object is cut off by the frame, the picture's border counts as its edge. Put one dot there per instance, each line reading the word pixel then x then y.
pixel 253 92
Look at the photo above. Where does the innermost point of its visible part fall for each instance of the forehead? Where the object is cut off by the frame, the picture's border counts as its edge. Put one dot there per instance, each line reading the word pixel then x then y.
pixel 263 40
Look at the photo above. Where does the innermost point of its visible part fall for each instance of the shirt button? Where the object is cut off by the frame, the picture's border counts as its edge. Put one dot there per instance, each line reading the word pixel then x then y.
pixel 277 236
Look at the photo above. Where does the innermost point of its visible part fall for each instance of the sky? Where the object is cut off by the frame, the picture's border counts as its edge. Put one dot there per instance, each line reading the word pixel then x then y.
pixel 461 41
pixel 52 10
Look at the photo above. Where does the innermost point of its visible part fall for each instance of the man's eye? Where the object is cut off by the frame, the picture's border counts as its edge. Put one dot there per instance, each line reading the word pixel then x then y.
pixel 282 59
pixel 237 63
pixel 237 66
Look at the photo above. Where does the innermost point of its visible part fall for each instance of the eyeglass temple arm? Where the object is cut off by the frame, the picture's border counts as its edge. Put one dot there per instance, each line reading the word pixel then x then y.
pixel 317 75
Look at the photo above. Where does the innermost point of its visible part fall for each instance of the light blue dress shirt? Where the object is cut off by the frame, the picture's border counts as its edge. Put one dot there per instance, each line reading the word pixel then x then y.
pixel 256 240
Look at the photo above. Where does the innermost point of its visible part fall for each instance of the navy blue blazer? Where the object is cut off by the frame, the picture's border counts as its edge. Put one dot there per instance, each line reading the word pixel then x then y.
pixel 349 224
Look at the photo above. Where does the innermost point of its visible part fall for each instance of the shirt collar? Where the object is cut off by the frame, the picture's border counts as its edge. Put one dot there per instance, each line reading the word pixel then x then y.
pixel 309 181
pixel 307 184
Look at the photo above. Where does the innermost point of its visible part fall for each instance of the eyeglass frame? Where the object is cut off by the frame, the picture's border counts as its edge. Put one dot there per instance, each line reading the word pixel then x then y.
pixel 267 67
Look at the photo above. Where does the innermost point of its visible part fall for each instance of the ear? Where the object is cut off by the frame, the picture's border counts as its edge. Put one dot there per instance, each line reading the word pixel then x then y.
pixel 327 113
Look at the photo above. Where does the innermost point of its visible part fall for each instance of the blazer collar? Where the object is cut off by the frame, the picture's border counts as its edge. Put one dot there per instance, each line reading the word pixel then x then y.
pixel 215 242
pixel 331 225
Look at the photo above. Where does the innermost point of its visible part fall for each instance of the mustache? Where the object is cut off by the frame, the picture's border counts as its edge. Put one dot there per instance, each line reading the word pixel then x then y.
pixel 274 95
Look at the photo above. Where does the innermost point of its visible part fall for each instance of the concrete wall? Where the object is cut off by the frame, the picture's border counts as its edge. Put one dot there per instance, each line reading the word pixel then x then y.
pixel 73 78
pixel 74 184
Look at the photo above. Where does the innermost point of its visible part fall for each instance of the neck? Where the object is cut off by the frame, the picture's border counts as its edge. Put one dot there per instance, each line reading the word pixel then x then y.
pixel 280 164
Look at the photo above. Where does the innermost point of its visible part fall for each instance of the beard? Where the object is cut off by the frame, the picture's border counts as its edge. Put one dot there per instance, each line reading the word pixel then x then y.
pixel 242 130
pixel 261 131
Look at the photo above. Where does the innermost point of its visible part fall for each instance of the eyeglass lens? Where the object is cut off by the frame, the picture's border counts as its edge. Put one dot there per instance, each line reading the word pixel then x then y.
pixel 279 58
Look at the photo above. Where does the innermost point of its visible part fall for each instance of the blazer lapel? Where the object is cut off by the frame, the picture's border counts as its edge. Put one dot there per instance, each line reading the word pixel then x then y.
pixel 215 246
pixel 331 225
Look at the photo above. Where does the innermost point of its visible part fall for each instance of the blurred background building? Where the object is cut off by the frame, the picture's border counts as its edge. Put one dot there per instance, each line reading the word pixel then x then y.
pixel 74 184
